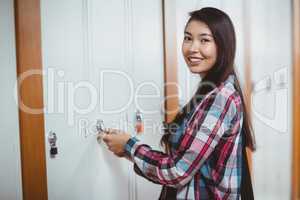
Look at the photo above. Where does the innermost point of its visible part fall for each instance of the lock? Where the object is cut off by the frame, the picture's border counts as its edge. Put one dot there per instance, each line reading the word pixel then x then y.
pixel 100 129
pixel 100 126
pixel 139 126
pixel 53 151
pixel 52 138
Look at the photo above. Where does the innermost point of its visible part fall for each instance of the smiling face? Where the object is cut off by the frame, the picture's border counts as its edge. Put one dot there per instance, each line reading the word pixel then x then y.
pixel 199 48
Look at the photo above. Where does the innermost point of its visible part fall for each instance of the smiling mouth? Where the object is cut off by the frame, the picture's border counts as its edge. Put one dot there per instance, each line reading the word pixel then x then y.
pixel 195 60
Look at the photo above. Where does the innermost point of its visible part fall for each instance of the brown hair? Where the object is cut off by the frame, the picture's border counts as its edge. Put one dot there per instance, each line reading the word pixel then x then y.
pixel 224 35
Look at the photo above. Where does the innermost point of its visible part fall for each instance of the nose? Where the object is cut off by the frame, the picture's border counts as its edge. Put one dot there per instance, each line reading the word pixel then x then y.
pixel 194 47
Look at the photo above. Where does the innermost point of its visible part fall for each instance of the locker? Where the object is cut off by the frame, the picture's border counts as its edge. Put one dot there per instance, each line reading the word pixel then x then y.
pixel 101 60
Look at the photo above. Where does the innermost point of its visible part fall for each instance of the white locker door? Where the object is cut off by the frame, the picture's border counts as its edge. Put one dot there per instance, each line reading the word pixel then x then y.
pixel 89 66
pixel 271 62
pixel 147 36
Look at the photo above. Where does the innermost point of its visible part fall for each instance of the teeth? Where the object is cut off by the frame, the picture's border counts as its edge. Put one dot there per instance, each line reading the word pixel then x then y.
pixel 194 59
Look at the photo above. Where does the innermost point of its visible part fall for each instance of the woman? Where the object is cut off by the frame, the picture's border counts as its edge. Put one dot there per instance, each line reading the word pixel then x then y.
pixel 205 155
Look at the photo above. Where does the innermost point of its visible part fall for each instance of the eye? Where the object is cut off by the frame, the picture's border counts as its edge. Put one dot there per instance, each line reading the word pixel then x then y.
pixel 204 40
pixel 187 38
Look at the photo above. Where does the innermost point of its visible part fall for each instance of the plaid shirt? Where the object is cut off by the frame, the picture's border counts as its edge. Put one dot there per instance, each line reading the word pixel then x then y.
pixel 206 154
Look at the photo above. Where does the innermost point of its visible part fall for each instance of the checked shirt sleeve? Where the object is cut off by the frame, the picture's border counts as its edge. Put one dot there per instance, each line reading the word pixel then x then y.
pixel 213 118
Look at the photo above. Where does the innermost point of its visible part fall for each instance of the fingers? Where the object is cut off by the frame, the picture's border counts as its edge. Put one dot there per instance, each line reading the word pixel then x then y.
pixel 113 141
pixel 114 131
pixel 115 151
pixel 120 155
pixel 109 134
pixel 106 137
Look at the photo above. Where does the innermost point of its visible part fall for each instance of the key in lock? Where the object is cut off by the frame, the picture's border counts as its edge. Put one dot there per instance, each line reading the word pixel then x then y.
pixel 100 129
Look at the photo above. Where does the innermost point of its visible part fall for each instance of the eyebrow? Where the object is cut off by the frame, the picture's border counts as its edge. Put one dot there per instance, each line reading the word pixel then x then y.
pixel 202 34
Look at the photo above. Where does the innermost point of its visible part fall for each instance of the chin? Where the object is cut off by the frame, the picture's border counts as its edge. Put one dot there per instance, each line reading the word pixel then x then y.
pixel 201 70
pixel 195 70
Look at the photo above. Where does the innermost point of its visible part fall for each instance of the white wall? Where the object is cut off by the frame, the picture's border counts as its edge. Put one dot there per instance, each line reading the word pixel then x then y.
pixel 10 170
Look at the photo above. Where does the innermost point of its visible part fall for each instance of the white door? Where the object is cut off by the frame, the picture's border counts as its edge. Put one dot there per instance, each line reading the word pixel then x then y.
pixel 101 60
pixel 272 97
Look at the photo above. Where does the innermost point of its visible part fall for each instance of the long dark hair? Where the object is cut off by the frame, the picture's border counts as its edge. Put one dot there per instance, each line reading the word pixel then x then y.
pixel 224 35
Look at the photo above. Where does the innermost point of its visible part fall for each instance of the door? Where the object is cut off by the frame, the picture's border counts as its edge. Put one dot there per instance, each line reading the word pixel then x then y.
pixel 102 60
pixel 272 97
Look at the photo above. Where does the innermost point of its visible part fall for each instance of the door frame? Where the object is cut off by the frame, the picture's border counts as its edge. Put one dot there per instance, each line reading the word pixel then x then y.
pixel 171 103
pixel 30 93
pixel 296 99
pixel 248 86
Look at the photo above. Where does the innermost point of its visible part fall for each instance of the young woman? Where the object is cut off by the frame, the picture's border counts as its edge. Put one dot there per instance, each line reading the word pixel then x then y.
pixel 205 144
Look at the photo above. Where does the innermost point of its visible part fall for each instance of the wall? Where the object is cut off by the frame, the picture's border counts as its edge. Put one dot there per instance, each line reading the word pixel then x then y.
pixel 10 173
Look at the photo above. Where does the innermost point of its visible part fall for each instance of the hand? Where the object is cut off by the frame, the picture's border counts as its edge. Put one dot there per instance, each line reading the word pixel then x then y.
pixel 115 141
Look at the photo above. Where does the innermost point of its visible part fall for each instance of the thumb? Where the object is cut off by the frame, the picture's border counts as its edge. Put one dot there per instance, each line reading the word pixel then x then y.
pixel 105 137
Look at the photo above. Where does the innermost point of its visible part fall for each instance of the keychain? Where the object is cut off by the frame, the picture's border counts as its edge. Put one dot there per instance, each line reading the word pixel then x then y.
pixel 139 126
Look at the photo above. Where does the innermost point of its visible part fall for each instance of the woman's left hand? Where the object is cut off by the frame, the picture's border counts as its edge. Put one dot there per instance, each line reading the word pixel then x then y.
pixel 115 141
